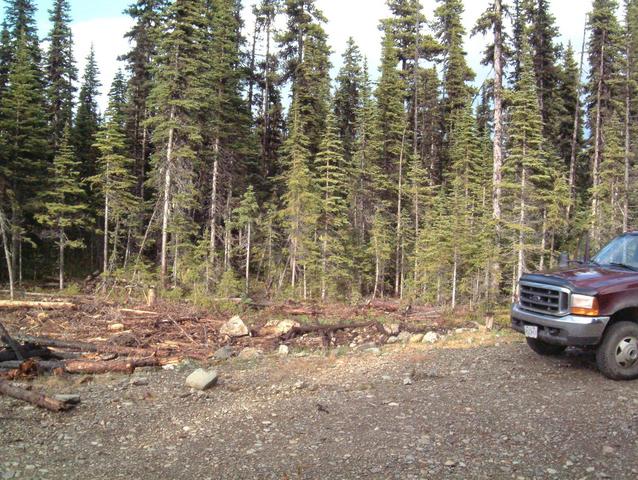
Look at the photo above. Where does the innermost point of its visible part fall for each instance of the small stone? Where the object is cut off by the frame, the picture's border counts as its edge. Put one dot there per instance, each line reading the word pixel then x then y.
pixel 300 385
pixel 404 337
pixel 250 353
pixel 590 469
pixel 392 329
pixel 72 399
pixel 116 327
pixel 392 340
pixel 235 327
pixel 202 379
pixel 223 353
pixel 607 450
pixel 407 381
pixel 417 338
pixel 283 350
pixel 373 350
pixel 430 337
pixel 551 471
pixel 139 381
pixel 450 463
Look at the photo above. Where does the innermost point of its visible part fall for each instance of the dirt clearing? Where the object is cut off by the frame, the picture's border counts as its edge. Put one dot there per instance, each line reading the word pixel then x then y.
pixel 494 411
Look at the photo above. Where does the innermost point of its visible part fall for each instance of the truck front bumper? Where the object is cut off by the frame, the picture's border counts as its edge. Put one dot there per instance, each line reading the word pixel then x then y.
pixel 570 330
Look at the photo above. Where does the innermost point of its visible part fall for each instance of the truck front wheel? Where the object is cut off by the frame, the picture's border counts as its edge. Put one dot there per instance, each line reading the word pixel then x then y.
pixel 617 355
pixel 544 348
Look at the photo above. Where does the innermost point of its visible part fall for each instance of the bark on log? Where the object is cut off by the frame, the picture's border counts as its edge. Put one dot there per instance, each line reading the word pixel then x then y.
pixel 137 312
pixel 85 347
pixel 10 304
pixel 84 366
pixel 328 329
pixel 8 355
pixel 35 398
pixel 10 342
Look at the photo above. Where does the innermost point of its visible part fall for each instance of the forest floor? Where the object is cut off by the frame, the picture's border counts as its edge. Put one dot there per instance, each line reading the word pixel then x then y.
pixel 474 404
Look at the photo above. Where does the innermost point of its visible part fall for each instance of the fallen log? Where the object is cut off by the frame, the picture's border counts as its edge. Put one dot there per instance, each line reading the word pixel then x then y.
pixel 327 330
pixel 7 340
pixel 35 398
pixel 9 304
pixel 85 347
pixel 87 367
pixel 8 355
pixel 137 312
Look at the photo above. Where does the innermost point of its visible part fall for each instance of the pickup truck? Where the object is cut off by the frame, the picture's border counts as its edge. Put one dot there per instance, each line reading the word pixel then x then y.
pixel 587 304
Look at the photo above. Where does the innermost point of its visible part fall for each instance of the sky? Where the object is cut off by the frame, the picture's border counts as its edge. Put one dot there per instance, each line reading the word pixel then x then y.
pixel 102 23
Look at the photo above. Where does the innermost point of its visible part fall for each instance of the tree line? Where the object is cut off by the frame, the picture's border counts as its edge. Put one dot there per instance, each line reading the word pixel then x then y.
pixel 230 164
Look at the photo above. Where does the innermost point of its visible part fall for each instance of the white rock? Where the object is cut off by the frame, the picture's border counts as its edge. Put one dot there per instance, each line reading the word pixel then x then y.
pixel 392 329
pixel 283 350
pixel 250 353
pixel 404 337
pixel 285 326
pixel 417 338
pixel 430 337
pixel 407 381
pixel 202 379
pixel 392 340
pixel 235 327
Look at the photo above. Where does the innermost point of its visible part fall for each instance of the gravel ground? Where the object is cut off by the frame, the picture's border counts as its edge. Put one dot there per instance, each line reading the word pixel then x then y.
pixel 496 411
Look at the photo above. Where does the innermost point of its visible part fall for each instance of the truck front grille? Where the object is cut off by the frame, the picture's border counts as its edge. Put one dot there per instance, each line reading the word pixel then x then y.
pixel 543 298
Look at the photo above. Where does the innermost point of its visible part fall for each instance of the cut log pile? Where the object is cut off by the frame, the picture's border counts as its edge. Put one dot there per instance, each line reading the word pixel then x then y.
pixel 92 336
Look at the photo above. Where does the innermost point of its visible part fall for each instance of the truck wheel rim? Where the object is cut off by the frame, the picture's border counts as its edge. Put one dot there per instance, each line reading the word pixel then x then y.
pixel 627 352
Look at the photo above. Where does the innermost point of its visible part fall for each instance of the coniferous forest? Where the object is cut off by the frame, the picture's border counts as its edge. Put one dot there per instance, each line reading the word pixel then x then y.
pixel 230 163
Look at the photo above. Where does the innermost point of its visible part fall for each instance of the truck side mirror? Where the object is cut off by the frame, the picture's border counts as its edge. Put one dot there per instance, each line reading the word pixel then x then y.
pixel 563 260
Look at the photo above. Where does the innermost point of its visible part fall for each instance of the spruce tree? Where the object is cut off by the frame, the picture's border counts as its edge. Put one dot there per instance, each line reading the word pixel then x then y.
pixel 115 180
pixel 392 128
pixel 61 72
pixel 25 144
pixel 178 98
pixel 334 229
pixel 347 95
pixel 87 119
pixel 247 214
pixel 144 36
pixel 301 203
pixel 64 208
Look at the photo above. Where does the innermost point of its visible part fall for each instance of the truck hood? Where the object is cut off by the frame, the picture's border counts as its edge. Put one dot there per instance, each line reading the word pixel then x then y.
pixel 588 280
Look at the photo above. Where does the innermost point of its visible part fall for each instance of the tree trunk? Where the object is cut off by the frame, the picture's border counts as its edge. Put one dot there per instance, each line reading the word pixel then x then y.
pixel 497 174
pixel 574 145
pixel 166 200
pixel 248 245
pixel 105 252
pixel 213 205
pixel 597 145
pixel 61 258
pixel 4 226
pixel 399 232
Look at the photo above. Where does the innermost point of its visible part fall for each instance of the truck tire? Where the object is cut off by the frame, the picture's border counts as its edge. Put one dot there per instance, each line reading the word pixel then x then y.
pixel 544 348
pixel 617 355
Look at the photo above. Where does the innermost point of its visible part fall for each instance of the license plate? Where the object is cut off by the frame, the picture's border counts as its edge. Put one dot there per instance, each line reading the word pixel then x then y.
pixel 531 331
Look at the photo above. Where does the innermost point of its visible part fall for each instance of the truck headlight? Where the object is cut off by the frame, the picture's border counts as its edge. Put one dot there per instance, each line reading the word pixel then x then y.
pixel 585 305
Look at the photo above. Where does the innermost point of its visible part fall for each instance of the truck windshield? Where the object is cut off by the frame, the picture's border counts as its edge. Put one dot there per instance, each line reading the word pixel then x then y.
pixel 620 252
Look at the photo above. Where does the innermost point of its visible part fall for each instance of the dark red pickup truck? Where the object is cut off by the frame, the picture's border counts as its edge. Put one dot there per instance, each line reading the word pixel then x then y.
pixel 593 304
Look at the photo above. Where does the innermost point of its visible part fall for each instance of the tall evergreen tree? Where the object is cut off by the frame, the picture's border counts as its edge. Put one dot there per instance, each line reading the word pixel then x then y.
pixel 61 72
pixel 115 180
pixel 144 36
pixel 87 119
pixel 178 98
pixel 25 144
pixel 64 207
pixel 347 95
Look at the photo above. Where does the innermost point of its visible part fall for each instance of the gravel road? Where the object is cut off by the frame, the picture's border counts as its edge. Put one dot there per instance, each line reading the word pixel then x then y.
pixel 496 411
